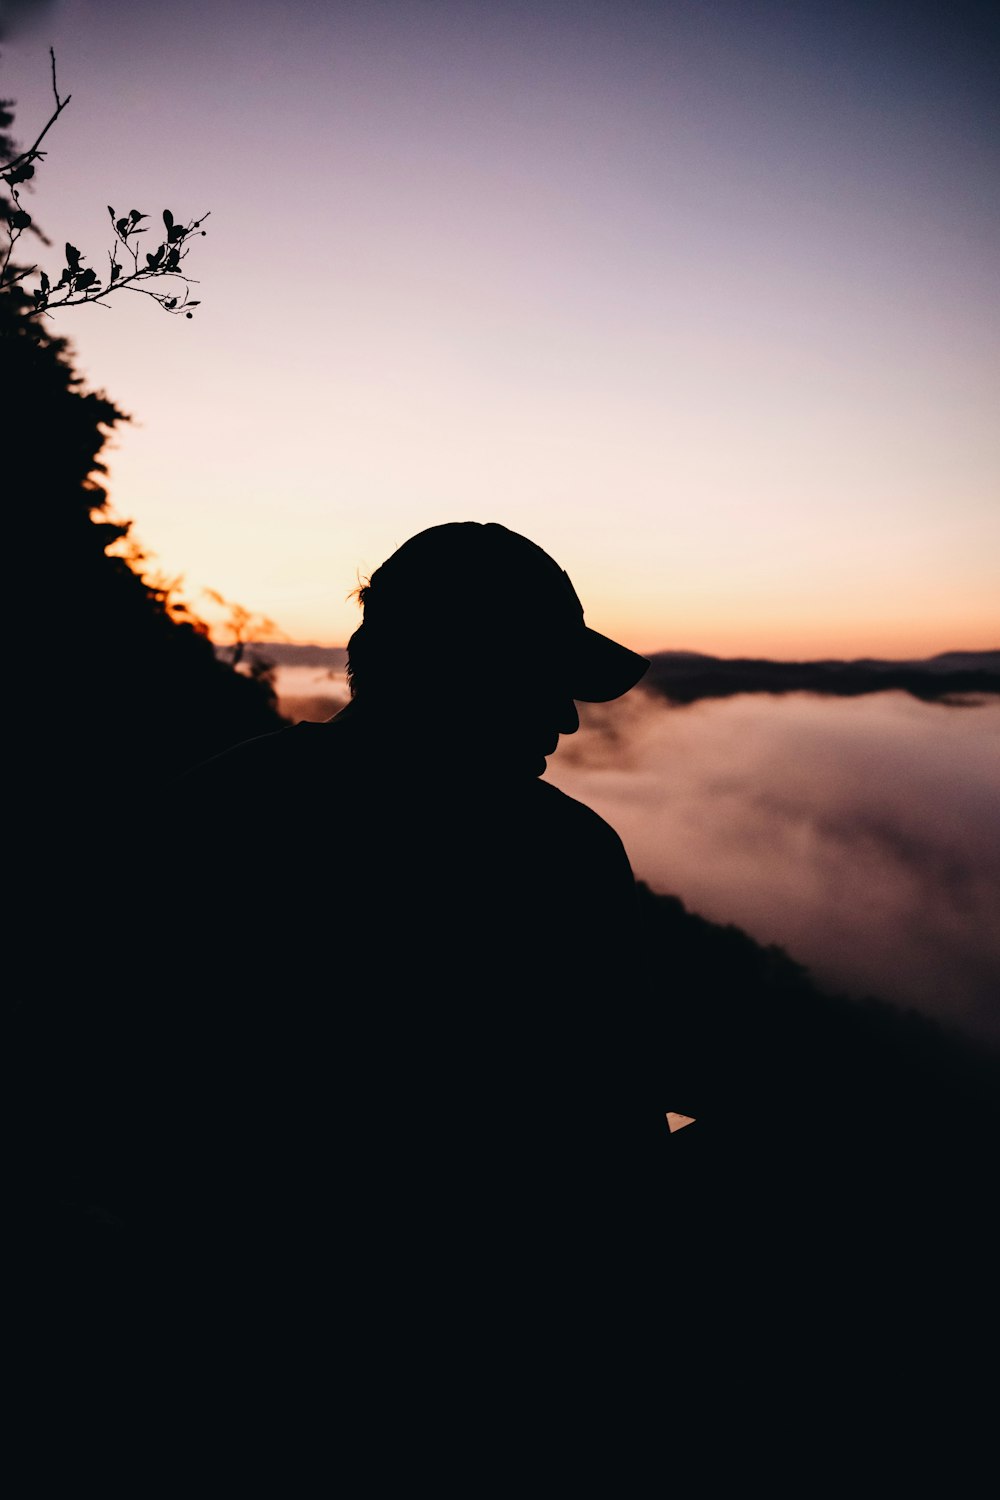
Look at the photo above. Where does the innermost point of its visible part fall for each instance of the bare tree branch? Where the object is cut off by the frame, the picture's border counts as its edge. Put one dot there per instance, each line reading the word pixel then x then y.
pixel 32 153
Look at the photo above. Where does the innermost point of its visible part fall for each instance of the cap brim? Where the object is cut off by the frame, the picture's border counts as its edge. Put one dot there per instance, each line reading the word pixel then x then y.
pixel 604 670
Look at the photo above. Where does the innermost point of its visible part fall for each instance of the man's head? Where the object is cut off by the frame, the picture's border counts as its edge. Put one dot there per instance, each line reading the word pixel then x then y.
pixel 482 623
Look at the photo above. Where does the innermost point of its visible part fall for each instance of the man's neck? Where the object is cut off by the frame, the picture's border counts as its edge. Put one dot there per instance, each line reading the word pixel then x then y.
pixel 424 743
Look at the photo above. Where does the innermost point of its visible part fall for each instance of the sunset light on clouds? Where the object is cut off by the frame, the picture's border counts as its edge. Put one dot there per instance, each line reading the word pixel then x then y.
pixel 701 297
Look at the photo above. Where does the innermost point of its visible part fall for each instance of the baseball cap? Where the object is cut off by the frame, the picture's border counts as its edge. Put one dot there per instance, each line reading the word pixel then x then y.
pixel 488 575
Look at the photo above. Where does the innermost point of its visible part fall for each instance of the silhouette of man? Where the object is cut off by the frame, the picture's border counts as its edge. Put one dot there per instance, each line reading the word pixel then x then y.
pixel 413 1016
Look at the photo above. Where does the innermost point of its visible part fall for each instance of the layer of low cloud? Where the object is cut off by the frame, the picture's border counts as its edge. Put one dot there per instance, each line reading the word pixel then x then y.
pixel 310 692
pixel 863 836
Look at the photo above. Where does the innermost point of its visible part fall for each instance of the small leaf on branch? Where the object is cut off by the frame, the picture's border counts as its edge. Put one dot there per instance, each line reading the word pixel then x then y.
pixel 153 261
pixel 135 215
pixel 176 233
pixel 19 219
pixel 168 219
pixel 72 255
pixel 122 227
pixel 45 283
pixel 111 211
pixel 116 270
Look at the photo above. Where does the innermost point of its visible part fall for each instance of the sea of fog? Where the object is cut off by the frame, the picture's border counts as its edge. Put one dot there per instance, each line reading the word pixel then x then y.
pixel 860 834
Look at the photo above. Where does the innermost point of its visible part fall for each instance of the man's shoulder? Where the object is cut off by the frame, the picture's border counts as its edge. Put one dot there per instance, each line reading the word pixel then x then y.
pixel 559 804
pixel 234 795
pixel 574 819
pixel 253 758
pixel 579 867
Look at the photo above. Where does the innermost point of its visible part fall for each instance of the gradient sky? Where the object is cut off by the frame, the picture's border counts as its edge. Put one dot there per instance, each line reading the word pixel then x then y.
pixel 703 297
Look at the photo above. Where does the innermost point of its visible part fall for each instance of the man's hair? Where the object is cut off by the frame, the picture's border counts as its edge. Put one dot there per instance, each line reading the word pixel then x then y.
pixel 356 645
pixel 401 638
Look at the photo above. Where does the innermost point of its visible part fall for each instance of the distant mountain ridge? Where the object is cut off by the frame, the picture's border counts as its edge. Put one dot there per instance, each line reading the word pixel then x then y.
pixel 686 676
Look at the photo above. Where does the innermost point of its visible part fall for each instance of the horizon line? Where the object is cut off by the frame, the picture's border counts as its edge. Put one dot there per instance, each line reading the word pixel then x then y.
pixel 668 651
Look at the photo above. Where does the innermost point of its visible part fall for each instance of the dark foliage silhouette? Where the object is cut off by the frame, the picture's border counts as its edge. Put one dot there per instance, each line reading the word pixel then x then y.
pixel 138 671
pixel 141 694
pixel 137 667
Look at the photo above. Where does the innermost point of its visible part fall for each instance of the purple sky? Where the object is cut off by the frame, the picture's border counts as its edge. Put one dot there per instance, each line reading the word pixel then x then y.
pixel 702 297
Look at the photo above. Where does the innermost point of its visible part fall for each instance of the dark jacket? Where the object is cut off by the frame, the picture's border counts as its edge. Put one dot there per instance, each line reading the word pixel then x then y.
pixel 407 993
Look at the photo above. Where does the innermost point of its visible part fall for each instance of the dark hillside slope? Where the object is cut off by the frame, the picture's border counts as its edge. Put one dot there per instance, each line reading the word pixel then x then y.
pixel 843 1155
pixel 140 695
